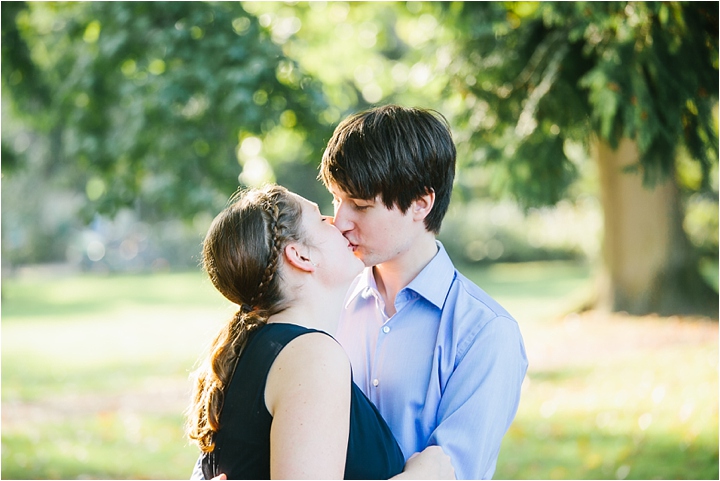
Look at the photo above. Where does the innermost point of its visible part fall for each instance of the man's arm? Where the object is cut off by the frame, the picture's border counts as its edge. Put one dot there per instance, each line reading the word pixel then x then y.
pixel 481 398
pixel 197 473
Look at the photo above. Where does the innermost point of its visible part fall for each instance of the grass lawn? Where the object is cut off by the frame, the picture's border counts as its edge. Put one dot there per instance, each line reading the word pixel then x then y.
pixel 95 379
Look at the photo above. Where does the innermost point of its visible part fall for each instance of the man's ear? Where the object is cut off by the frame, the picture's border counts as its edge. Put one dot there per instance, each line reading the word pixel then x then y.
pixel 422 206
pixel 294 256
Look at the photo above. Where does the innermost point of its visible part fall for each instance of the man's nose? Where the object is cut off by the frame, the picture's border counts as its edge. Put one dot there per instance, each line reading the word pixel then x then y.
pixel 340 221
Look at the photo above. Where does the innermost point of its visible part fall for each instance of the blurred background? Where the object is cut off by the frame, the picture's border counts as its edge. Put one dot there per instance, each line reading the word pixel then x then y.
pixel 586 202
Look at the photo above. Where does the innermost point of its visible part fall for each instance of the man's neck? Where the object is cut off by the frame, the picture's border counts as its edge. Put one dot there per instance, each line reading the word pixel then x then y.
pixel 395 274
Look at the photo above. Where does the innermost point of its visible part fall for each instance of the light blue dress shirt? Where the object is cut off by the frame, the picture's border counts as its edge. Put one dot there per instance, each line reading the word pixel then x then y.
pixel 445 370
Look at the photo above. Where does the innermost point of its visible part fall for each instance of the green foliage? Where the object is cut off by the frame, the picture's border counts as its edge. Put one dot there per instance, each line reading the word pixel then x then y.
pixel 150 102
pixel 166 107
pixel 502 232
pixel 533 76
pixel 19 70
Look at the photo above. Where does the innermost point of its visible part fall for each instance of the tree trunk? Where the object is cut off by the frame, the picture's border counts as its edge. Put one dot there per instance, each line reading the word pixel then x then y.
pixel 649 264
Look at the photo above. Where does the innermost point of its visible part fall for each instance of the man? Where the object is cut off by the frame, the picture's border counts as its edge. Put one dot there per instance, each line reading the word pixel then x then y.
pixel 442 361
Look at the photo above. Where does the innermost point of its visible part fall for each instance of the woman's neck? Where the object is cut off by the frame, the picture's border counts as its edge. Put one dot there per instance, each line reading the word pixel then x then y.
pixel 320 310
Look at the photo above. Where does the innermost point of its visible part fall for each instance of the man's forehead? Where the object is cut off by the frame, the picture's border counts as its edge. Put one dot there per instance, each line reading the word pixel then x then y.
pixel 338 192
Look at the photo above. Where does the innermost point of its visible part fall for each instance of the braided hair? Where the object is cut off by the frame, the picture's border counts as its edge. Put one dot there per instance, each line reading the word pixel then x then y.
pixel 241 255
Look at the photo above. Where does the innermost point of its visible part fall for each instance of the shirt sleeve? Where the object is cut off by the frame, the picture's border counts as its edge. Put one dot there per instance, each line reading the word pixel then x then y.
pixel 197 473
pixel 481 398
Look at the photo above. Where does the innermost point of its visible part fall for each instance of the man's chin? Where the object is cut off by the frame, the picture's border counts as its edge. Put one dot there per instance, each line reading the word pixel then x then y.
pixel 362 258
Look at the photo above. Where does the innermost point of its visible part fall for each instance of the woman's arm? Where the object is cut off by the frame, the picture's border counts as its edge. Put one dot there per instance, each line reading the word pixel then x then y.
pixel 308 395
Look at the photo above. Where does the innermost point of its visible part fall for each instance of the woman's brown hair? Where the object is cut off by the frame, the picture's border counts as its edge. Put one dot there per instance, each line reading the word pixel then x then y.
pixel 241 255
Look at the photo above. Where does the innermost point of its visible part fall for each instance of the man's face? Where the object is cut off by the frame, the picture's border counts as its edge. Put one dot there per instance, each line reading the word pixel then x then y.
pixel 377 234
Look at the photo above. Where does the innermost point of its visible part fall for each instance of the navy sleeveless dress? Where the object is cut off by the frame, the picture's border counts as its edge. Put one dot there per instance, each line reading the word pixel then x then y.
pixel 242 445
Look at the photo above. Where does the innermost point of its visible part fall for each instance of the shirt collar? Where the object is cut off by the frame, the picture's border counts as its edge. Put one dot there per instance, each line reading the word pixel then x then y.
pixel 364 284
pixel 433 282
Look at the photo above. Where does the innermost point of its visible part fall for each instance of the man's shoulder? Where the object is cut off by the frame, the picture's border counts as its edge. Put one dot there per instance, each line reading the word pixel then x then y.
pixel 476 319
pixel 470 297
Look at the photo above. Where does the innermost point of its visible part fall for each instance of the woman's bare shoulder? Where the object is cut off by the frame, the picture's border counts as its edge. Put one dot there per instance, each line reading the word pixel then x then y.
pixel 308 395
pixel 314 363
pixel 316 348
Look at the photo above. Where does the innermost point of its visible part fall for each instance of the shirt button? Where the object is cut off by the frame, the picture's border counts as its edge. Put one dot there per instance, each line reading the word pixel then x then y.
pixel 386 329
pixel 376 382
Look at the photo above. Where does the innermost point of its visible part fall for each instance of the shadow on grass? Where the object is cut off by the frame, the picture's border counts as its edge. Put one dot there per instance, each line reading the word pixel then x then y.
pixel 105 446
pixel 529 279
pixel 545 449
pixel 53 381
pixel 559 375
pixel 90 294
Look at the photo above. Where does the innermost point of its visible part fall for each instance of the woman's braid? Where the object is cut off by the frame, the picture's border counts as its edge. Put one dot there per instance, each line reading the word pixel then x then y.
pixel 273 210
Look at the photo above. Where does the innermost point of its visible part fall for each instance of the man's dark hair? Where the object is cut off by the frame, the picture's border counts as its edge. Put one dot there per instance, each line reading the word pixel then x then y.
pixel 399 153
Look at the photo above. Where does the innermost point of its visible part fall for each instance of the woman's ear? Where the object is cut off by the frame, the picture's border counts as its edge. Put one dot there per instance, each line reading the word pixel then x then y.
pixel 295 257
pixel 422 206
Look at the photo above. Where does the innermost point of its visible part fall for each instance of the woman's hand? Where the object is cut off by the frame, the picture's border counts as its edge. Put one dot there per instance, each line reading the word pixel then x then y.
pixel 431 463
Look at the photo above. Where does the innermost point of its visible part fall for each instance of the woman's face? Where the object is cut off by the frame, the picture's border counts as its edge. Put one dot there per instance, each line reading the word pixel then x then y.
pixel 328 248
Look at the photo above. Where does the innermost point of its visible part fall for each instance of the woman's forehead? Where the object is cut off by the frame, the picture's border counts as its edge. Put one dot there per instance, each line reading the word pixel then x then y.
pixel 304 202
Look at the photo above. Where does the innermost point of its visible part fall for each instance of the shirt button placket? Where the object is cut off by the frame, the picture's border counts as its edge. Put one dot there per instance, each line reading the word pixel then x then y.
pixel 376 381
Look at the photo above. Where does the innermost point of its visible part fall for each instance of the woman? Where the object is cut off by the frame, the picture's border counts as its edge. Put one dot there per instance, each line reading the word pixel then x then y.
pixel 275 397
